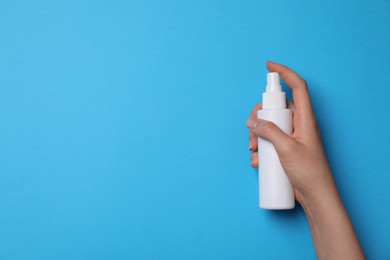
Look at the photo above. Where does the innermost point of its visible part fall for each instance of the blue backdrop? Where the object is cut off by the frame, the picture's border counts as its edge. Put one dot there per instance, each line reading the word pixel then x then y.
pixel 122 125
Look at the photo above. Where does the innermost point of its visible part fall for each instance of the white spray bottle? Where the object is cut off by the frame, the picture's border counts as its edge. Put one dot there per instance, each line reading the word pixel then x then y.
pixel 275 189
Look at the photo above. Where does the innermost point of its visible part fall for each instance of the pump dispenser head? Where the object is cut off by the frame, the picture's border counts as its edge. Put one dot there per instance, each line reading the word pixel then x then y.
pixel 274 97
pixel 273 82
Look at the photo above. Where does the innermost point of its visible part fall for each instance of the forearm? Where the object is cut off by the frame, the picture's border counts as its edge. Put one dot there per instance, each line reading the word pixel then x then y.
pixel 332 231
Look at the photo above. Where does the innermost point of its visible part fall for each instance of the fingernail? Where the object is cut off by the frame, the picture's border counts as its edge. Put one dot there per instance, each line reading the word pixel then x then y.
pixel 252 123
pixel 250 147
pixel 252 162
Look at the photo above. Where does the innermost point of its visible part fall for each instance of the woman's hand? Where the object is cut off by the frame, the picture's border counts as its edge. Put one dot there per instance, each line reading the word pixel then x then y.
pixel 303 159
pixel 301 155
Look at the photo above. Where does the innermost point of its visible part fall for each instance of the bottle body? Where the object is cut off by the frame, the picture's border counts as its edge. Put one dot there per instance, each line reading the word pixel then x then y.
pixel 275 189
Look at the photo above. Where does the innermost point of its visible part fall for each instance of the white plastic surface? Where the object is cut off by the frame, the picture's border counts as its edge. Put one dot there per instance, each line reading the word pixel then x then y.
pixel 273 82
pixel 275 189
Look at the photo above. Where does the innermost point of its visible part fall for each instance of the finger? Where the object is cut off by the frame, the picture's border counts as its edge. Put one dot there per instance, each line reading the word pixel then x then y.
pixel 272 133
pixel 296 83
pixel 255 160
pixel 258 107
pixel 252 137
pixel 252 142
pixel 291 106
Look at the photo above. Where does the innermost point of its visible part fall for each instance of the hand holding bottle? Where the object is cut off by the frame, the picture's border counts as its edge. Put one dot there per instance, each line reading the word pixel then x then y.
pixel 303 159
pixel 301 154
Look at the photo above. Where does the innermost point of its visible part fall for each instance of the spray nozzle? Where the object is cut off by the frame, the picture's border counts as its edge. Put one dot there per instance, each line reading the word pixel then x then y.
pixel 273 82
pixel 274 97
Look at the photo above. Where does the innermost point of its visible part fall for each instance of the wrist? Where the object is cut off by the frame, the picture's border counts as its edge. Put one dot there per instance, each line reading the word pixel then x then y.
pixel 321 196
pixel 331 228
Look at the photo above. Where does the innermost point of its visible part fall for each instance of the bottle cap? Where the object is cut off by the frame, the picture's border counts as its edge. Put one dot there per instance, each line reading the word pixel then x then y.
pixel 274 97
pixel 273 82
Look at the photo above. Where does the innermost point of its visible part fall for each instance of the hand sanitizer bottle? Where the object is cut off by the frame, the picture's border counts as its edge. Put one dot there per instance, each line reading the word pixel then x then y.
pixel 275 189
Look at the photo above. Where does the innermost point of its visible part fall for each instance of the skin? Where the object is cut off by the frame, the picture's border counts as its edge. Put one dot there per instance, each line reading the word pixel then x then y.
pixel 303 158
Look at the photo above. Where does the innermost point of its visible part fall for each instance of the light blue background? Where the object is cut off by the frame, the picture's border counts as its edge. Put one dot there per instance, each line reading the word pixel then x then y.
pixel 122 125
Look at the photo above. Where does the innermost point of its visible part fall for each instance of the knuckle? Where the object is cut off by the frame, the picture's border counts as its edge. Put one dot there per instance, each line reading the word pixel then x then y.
pixel 312 120
pixel 268 127
pixel 288 149
pixel 305 85
pixel 254 156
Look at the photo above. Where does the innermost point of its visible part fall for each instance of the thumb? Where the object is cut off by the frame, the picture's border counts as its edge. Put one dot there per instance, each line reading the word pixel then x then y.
pixel 267 130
